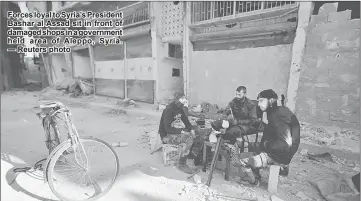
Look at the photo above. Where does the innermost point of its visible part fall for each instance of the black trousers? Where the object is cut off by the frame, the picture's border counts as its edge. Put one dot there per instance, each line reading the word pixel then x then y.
pixel 233 132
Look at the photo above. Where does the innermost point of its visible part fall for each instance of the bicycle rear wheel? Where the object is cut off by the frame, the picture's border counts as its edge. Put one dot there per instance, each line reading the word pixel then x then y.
pixel 69 182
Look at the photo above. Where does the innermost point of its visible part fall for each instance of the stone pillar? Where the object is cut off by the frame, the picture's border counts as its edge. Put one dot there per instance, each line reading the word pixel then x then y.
pixel 298 48
pixel 187 48
pixel 155 19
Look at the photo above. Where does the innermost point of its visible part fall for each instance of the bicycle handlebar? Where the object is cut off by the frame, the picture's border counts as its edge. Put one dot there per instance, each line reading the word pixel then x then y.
pixel 50 104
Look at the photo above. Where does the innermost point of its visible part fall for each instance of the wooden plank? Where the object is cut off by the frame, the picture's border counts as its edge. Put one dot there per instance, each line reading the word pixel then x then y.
pixel 141 90
pixel 110 87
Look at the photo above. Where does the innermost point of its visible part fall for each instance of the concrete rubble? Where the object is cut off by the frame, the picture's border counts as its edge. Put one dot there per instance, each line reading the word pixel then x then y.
pixel 76 87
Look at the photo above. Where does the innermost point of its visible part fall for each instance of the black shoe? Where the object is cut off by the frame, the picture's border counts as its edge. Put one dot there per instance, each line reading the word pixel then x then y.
pixel 250 183
pixel 182 166
pixel 284 171
pixel 257 174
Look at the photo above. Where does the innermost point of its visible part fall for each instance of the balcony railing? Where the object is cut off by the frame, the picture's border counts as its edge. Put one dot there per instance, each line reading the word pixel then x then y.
pixel 210 11
pixel 135 14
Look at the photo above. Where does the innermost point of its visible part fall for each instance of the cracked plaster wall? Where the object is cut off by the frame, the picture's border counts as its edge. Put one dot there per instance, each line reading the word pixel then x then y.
pixel 329 88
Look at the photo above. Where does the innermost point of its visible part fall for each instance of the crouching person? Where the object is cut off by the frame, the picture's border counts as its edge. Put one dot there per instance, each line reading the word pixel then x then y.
pixel 173 113
pixel 280 141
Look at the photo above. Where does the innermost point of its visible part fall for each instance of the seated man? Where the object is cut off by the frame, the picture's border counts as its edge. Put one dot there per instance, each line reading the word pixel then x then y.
pixel 178 136
pixel 242 116
pixel 280 140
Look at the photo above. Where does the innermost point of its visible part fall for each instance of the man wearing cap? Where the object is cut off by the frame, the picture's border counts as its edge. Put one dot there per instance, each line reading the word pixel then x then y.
pixel 169 134
pixel 280 140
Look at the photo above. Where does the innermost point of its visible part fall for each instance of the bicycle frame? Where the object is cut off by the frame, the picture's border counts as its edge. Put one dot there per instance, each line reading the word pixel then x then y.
pixel 73 137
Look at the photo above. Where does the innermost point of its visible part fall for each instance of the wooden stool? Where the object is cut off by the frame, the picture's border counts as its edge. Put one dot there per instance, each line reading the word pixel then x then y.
pixel 274 172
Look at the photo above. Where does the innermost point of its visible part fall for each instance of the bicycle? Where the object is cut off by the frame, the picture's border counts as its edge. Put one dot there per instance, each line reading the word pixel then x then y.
pixel 61 153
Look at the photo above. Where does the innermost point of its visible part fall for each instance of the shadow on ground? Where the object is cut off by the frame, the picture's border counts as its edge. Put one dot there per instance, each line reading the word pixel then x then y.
pixel 11 178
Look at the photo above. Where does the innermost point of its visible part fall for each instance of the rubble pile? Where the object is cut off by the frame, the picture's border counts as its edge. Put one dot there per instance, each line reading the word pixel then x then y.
pixel 333 137
pixel 206 107
pixel 207 110
pixel 76 86
pixel 127 103
pixel 116 112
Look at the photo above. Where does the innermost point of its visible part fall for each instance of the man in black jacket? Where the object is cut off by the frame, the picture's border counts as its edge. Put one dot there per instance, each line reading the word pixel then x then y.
pixel 174 112
pixel 241 115
pixel 280 140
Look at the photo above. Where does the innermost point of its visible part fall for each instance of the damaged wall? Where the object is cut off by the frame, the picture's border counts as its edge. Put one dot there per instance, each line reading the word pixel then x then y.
pixel 168 84
pixel 329 87
pixel 11 68
pixel 81 63
pixel 223 71
pixel 169 24
pixel 139 69
pixel 62 71
pixel 253 53
pixel 109 70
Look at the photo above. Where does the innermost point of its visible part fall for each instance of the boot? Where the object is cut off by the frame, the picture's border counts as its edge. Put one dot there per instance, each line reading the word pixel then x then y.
pixel 256 173
pixel 284 170
pixel 182 166
pixel 249 178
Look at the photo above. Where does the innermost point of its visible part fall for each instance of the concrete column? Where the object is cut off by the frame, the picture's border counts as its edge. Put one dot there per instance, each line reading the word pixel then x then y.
pixel 187 48
pixel 298 48
pixel 154 20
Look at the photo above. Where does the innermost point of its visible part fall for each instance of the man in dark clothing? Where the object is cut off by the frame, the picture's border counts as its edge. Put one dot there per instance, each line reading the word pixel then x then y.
pixel 280 140
pixel 241 116
pixel 174 112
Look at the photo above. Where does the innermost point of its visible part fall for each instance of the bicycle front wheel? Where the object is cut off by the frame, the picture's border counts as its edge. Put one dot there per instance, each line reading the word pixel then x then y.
pixel 70 180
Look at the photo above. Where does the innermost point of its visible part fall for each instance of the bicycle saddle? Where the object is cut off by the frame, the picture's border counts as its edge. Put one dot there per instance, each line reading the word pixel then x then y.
pixel 49 104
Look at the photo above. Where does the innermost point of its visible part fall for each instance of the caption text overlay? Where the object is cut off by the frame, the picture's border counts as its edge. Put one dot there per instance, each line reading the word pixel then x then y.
pixel 53 32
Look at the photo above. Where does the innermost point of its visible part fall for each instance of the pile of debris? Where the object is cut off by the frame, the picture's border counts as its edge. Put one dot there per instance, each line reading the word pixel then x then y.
pixel 206 107
pixel 208 110
pixel 76 86
pixel 127 103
